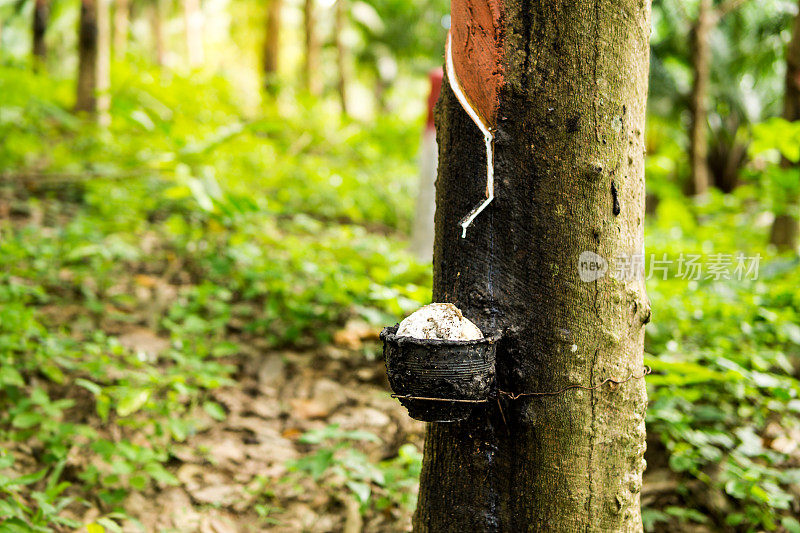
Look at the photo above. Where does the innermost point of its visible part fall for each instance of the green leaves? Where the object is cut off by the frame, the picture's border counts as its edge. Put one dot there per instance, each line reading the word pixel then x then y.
pixel 779 135
pixel 131 400
pixel 214 410
pixel 721 353
pixel 337 463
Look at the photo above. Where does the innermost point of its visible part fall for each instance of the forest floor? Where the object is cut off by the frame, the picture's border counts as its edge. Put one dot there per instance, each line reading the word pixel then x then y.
pixel 304 433
pixel 285 440
pixel 226 469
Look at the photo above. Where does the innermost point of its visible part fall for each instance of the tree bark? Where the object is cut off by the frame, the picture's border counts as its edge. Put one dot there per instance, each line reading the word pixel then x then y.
pixel 121 25
pixel 701 68
pixel 786 228
pixel 422 229
pixel 87 58
pixel 311 65
pixel 193 26
pixel 272 44
pixel 41 12
pixel 569 162
pixel 159 39
pixel 341 52
pixel 103 64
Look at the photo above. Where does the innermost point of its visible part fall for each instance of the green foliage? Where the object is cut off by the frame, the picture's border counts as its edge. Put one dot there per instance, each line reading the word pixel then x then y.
pixel 269 240
pixel 110 383
pixel 383 26
pixel 338 465
pixel 773 140
pixel 746 70
pixel 724 356
pixel 280 222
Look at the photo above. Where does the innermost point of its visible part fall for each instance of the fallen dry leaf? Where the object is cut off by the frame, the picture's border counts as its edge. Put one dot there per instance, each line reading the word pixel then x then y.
pixel 145 341
pixel 354 333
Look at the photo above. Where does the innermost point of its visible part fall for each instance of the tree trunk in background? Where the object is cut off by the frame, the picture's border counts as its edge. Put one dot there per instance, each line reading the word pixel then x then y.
pixel 87 58
pixel 422 230
pixel 786 229
pixel 311 66
pixel 121 25
pixel 341 52
pixel 379 90
pixel 272 41
pixel 726 157
pixel 569 178
pixel 156 19
pixel 193 26
pixel 103 65
pixel 41 11
pixel 701 67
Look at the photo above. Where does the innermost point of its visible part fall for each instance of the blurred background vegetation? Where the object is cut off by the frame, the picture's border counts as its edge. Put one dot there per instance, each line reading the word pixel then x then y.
pixel 204 219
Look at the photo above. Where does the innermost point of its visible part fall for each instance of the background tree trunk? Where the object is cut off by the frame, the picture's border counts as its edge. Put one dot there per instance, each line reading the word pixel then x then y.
pixel 87 58
pixel 422 229
pixel 103 65
pixel 570 178
pixel 701 67
pixel 341 52
pixel 121 25
pixel 41 11
pixel 157 22
pixel 272 44
pixel 311 66
pixel 786 228
pixel 193 26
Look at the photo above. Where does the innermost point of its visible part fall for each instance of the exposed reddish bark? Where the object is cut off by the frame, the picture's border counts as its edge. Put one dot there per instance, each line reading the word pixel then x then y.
pixel 477 48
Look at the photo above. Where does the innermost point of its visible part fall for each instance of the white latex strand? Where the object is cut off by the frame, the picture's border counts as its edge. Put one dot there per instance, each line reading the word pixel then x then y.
pixel 487 136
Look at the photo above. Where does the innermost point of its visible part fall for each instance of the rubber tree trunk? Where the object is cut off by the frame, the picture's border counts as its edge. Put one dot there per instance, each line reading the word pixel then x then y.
pixel 569 178
pixel 701 68
pixel 311 65
pixel 121 25
pixel 786 228
pixel 87 58
pixel 41 12
pixel 272 40
pixel 193 32
pixel 341 53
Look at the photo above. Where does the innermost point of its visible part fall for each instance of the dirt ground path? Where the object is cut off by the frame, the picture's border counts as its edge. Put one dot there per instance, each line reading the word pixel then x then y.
pixel 234 475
